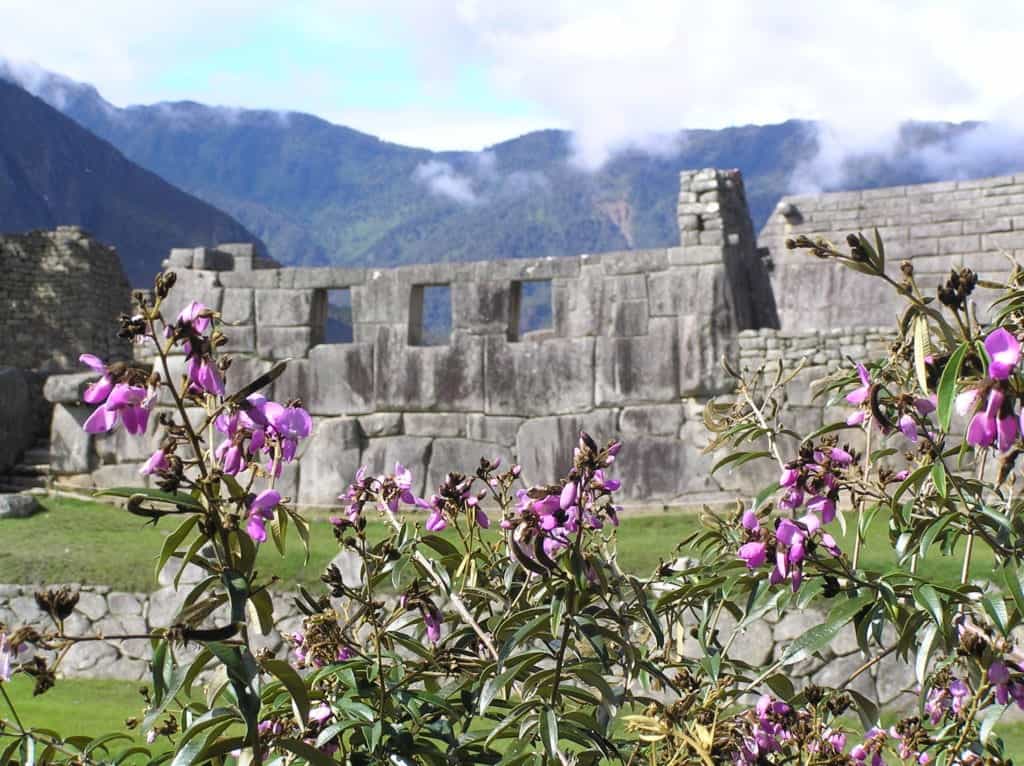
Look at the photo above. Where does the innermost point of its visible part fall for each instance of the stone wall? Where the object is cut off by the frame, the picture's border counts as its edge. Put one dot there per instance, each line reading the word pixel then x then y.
pixel 60 292
pixel 101 611
pixel 936 226
pixel 634 349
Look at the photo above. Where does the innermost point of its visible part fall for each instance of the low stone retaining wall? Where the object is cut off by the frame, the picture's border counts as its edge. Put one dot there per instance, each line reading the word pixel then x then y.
pixel 102 611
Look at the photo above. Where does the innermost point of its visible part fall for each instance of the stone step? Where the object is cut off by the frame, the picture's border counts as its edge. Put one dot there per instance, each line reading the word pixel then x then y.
pixel 30 469
pixel 38 455
pixel 13 483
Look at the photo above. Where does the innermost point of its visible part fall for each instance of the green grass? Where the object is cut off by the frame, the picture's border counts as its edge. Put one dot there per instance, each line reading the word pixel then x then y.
pixel 76 706
pixel 96 543
pixel 88 706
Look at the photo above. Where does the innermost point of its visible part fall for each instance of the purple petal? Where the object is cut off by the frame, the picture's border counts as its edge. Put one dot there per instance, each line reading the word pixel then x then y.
pixel 256 529
pixel 99 391
pixel 266 500
pixel 93 362
pixel 1006 432
pixel 982 430
pixel 1004 353
pixel 101 420
pixel 908 427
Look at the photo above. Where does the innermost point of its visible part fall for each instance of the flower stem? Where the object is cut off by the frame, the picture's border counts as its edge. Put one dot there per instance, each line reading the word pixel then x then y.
pixel 10 704
pixel 858 540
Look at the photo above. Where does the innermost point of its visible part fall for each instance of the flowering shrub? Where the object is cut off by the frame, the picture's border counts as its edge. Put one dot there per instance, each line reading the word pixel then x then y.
pixel 457 646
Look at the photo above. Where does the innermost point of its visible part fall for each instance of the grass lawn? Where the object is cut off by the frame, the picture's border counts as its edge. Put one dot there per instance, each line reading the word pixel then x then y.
pixel 84 706
pixel 91 542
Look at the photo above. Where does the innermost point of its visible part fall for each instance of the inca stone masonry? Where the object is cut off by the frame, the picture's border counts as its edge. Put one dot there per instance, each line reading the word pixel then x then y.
pixel 633 347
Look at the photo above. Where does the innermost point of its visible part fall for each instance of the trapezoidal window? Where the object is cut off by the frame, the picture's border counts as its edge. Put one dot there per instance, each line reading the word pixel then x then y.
pixel 430 315
pixel 335 311
pixel 530 310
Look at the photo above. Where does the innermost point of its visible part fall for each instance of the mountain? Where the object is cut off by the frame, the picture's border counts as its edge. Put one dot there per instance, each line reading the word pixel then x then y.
pixel 319 193
pixel 53 172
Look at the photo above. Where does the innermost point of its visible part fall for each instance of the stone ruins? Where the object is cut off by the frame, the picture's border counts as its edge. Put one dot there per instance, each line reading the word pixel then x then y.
pixel 435 365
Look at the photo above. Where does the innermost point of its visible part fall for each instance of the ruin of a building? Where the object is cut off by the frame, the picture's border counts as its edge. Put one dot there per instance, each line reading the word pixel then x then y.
pixel 633 348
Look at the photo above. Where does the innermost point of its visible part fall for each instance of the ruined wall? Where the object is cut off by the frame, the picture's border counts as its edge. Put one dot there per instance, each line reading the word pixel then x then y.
pixel 59 294
pixel 936 226
pixel 634 348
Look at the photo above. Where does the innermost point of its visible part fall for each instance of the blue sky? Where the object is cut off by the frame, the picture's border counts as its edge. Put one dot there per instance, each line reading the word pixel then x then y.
pixel 464 74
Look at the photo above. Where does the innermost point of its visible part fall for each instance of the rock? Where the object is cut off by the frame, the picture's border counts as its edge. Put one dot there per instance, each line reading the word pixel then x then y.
pixel 435 424
pixel 795 624
pixel 164 605
pixel 18 506
pixel 330 461
pixel 284 308
pixel 536 379
pixel 413 452
pixel 651 420
pixel 92 605
pixel 350 566
pixel 638 369
pixel 461 456
pixel 86 655
pixel 341 379
pixel 381 424
pixel 496 429
pixel 544 445
pixel 17 417
pixel 70 445
pixel 447 378
pixel 67 389
pixel 283 342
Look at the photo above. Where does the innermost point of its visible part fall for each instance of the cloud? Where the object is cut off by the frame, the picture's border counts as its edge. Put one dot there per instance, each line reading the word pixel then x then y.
pixel 619 75
pixel 441 179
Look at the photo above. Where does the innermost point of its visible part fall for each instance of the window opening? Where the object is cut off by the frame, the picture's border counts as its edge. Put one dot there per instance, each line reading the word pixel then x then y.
pixel 430 315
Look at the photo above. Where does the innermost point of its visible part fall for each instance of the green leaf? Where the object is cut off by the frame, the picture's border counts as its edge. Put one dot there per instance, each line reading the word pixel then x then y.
pixel 1011 577
pixel 549 731
pixel 988 721
pixel 739 458
pixel 820 636
pixel 293 682
pixel 928 599
pixel 947 385
pixel 238 591
pixel 156 495
pixel 939 478
pixel 262 381
pixel 925 645
pixel 995 607
pixel 922 348
pixel 866 709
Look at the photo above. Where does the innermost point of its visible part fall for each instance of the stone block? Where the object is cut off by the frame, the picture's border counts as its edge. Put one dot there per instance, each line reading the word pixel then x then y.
pixel 635 261
pixel 328 278
pixel 381 455
pixel 342 379
pixel 70 446
pixel 200 286
pixel 577 304
pixel 119 475
pixel 428 378
pixel 241 338
pixel 381 424
pixel 283 342
pixel 211 259
pixel 296 382
pixel 330 461
pixel 481 307
pixel 284 308
pixel 119 446
pixel 17 418
pixel 435 424
pixel 651 420
pixel 244 370
pixel 531 379
pixel 383 297
pixel 627 318
pixel 493 428
pixel 658 468
pixel 16 506
pixel 126 604
pixel 236 306
pixel 262 278
pixel 641 369
pixel 544 445
pixel 67 389
pixel 461 456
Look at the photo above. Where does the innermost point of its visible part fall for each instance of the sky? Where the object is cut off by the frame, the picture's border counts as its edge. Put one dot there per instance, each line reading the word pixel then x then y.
pixel 465 74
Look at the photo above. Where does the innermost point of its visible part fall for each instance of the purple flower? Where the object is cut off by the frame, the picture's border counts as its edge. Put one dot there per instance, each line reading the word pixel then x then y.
pixel 753 554
pixel 203 373
pixel 436 521
pixel 823 505
pixel 99 391
pixel 7 653
pixel 125 402
pixel 320 714
pixel 291 424
pixel 432 621
pixel 261 510
pixel 860 395
pixel 1004 353
pixel 750 521
pixel 191 316
pixel 908 427
pixel 156 464
pixel 993 424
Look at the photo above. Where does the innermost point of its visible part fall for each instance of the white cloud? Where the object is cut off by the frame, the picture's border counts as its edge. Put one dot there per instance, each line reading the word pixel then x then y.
pixel 442 179
pixel 619 75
